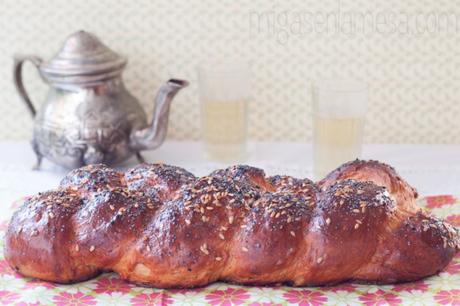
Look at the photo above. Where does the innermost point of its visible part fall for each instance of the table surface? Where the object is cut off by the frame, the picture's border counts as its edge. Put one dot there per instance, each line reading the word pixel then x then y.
pixel 432 169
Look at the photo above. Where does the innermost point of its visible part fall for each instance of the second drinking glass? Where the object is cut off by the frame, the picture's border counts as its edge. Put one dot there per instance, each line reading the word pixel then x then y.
pixel 224 93
pixel 339 108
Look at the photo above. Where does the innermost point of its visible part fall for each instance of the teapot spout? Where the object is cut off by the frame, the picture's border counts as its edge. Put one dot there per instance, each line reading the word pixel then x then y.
pixel 153 136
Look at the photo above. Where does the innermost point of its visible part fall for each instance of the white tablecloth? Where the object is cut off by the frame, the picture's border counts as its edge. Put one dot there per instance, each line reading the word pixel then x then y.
pixel 432 169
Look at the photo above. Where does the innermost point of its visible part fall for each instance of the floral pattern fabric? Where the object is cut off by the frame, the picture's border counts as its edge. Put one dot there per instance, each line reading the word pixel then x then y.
pixel 109 289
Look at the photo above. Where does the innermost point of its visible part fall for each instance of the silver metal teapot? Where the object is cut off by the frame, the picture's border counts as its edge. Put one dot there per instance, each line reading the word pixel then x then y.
pixel 89 116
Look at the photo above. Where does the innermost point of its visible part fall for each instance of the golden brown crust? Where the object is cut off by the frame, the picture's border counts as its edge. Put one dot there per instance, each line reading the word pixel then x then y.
pixel 380 174
pixel 160 226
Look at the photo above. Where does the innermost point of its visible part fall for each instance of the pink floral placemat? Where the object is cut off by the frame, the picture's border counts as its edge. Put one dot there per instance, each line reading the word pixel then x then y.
pixel 108 289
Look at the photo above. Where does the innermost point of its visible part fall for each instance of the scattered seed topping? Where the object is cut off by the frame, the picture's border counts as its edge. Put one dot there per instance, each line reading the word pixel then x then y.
pixel 204 248
pixel 230 193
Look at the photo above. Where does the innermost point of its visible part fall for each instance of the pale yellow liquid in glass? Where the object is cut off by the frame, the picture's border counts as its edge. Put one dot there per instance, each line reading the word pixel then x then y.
pixel 336 141
pixel 224 129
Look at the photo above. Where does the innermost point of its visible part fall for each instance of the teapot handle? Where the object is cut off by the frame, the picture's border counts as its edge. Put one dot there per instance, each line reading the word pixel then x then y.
pixel 17 72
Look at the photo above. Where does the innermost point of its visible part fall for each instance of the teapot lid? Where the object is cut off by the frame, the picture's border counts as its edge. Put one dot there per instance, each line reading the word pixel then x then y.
pixel 83 58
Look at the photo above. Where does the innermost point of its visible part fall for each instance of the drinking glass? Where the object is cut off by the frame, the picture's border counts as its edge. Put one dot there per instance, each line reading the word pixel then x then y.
pixel 224 93
pixel 339 109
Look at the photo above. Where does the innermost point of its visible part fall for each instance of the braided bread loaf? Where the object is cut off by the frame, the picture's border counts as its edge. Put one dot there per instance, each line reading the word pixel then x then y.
pixel 160 226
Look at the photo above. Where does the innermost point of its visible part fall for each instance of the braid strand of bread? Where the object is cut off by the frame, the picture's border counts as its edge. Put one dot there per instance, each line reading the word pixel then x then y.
pixel 161 226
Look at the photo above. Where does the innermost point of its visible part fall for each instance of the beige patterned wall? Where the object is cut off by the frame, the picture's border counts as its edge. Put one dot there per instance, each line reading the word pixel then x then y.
pixel 408 51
